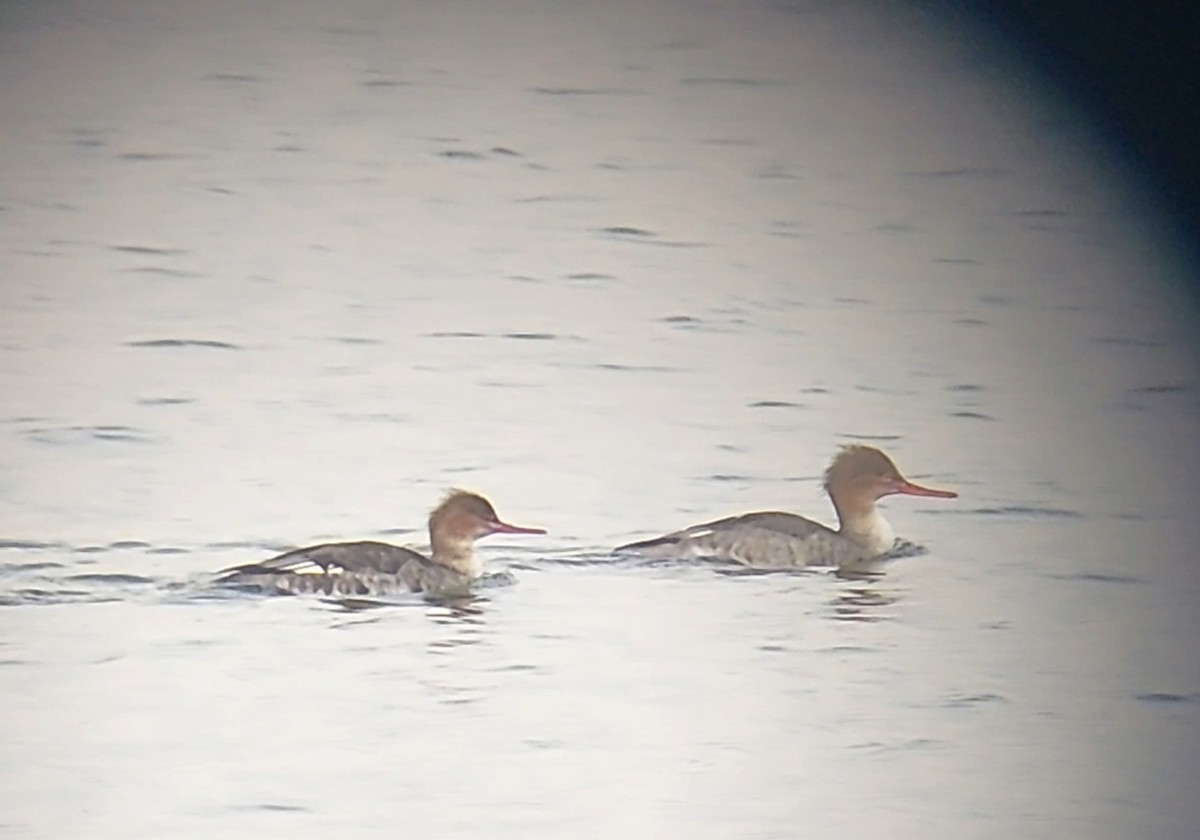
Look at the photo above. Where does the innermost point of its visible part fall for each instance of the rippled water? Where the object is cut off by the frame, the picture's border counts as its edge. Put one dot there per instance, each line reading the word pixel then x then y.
pixel 284 273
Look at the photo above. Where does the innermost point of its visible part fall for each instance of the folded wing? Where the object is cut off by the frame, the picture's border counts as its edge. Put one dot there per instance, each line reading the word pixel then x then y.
pixel 767 539
pixel 329 559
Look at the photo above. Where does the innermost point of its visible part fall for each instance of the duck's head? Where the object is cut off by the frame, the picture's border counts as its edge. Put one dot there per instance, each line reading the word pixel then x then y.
pixel 464 517
pixel 861 475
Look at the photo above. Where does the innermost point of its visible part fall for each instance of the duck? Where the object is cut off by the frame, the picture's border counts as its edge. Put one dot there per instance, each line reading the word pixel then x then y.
pixel 857 478
pixel 370 568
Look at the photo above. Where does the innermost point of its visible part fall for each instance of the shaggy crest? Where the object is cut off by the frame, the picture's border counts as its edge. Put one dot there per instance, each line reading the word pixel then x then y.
pixel 855 460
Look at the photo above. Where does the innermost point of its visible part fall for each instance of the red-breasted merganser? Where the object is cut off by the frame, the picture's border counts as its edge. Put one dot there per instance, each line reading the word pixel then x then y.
pixel 376 568
pixel 857 478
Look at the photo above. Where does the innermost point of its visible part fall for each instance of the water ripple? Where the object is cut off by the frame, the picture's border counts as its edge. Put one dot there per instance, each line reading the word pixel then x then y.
pixel 113 578
pixel 184 342
pixel 1037 511
pixel 74 435
pixel 962 701
pixel 28 545
pixel 1098 577
pixel 1166 698
pixel 584 91
pixel 17 568
pixel 274 807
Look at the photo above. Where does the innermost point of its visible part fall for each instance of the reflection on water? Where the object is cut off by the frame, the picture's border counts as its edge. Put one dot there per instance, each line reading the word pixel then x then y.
pixel 863 603
pixel 464 617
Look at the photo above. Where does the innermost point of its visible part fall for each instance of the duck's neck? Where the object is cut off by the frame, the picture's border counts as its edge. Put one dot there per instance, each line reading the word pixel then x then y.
pixel 866 526
pixel 457 556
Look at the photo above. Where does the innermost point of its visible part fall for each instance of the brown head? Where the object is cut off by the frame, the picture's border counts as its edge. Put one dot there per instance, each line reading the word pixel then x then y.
pixel 860 475
pixel 461 519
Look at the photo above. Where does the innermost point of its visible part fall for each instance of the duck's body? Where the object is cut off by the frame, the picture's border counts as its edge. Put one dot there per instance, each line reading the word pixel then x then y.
pixel 857 478
pixel 376 568
pixel 352 568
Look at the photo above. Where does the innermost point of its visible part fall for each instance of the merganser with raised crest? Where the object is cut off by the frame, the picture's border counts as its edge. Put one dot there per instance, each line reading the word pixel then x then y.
pixel 857 478
pixel 377 568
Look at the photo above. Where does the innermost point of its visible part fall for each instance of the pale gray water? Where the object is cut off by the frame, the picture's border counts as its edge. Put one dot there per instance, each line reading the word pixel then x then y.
pixel 284 272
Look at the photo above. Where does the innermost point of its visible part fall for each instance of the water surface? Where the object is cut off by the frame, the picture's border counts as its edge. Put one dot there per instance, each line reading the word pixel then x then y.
pixel 283 273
